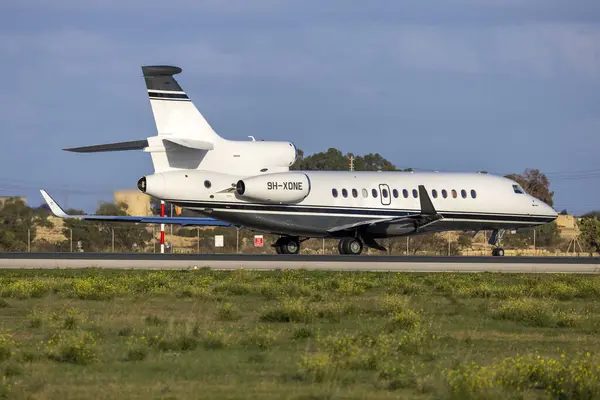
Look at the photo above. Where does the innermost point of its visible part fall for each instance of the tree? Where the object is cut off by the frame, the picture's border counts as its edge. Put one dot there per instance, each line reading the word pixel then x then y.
pixel 547 235
pixel 592 214
pixel 589 228
pixel 535 183
pixel 334 160
pixel 18 224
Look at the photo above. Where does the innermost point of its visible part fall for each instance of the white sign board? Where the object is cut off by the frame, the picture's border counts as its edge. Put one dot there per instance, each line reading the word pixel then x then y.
pixel 258 241
pixel 219 240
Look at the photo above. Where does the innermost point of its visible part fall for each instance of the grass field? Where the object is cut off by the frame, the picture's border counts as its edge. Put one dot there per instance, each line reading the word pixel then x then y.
pixel 73 334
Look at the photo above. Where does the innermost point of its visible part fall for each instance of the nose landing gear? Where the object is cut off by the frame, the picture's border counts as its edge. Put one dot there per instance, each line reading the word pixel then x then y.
pixel 495 241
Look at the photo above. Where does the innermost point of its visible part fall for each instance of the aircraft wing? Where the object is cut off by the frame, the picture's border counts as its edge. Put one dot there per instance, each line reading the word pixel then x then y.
pixel 183 221
pixel 371 222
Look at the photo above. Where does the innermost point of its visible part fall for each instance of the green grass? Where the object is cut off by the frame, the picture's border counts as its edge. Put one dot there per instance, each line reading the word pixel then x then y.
pixel 106 334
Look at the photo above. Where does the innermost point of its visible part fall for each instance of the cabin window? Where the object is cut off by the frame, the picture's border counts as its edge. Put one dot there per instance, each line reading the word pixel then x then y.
pixel 454 194
pixel 334 192
pixel 344 193
pixel 207 184
pixel 415 193
pixel 518 189
pixel 405 193
pixel 354 193
pixel 473 194
pixel 463 193
pixel 365 193
pixel 374 192
pixel 434 193
pixel 385 193
pixel 444 193
pixel 395 193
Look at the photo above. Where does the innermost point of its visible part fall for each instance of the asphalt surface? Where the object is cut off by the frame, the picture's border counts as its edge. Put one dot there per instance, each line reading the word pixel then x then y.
pixel 271 262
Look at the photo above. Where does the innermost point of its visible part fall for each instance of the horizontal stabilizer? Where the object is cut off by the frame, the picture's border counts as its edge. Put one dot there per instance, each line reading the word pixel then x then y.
pixel 190 143
pixel 119 146
pixel 183 221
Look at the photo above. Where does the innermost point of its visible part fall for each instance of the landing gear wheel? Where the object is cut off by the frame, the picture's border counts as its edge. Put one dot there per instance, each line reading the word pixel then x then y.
pixel 287 245
pixel 350 246
pixel 498 252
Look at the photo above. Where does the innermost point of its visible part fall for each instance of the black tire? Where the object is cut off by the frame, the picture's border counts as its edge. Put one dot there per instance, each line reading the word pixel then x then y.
pixel 353 246
pixel 500 252
pixel 350 246
pixel 290 246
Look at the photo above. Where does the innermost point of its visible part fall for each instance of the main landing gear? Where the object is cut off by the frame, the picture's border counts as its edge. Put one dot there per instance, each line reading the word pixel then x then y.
pixel 291 245
pixel 287 245
pixel 495 241
pixel 350 245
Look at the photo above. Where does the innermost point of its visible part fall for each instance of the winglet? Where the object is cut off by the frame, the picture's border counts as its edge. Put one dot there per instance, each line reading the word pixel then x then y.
pixel 54 207
pixel 426 204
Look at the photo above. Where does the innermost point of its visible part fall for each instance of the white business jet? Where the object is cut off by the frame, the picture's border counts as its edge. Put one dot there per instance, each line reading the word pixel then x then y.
pixel 249 184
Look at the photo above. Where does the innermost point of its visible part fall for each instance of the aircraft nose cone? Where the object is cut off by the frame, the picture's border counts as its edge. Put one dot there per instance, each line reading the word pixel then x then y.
pixel 551 211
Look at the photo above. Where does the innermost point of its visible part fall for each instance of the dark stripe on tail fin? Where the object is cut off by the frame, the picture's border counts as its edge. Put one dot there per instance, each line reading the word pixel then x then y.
pixel 161 96
pixel 160 77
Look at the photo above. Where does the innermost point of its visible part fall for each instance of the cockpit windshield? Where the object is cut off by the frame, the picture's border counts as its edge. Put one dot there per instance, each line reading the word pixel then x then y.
pixel 518 189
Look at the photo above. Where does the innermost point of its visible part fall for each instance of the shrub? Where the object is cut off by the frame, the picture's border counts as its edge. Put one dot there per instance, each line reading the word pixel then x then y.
pixel 154 320
pixel 563 377
pixel 317 366
pixel 13 369
pixel 126 331
pixel 7 345
pixel 404 319
pixel 74 348
pixel 535 313
pixel 302 333
pixel 214 340
pixel 4 303
pixel 288 311
pixel 227 312
pixel 262 338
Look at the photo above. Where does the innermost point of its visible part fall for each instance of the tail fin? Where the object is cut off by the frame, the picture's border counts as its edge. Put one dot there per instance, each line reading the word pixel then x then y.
pixel 174 113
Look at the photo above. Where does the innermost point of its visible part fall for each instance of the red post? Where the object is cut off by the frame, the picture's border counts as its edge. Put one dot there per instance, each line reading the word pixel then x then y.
pixel 162 227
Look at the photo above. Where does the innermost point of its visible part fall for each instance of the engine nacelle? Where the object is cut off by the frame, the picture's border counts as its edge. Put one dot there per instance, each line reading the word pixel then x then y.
pixel 186 185
pixel 284 187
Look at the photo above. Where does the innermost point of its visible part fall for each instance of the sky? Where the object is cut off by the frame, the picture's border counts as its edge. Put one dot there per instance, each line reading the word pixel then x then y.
pixel 463 85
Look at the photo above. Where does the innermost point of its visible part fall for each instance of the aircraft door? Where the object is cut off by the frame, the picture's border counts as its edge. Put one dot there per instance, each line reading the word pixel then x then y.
pixel 384 194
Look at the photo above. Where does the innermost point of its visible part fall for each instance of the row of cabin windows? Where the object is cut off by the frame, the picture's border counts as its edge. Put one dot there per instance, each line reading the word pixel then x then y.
pixel 405 194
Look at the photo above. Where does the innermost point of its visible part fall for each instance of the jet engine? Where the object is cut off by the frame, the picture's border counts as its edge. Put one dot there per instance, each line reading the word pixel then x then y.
pixel 284 187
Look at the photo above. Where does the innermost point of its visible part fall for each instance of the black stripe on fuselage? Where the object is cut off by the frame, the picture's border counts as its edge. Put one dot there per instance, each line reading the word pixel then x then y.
pixel 167 96
pixel 360 211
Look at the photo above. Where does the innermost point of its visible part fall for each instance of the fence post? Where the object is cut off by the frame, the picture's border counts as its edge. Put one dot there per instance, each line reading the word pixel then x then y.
pixel 198 243
pixel 237 239
pixel 71 238
pixel 28 240
pixel 113 239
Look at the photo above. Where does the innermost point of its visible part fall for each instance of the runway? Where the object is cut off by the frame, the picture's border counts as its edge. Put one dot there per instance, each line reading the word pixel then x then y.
pixel 580 265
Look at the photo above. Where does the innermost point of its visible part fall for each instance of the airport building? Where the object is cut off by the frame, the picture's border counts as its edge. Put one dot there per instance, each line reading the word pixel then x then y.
pixel 138 203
